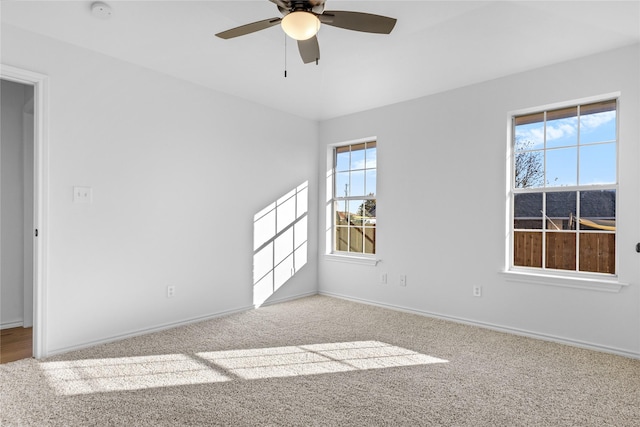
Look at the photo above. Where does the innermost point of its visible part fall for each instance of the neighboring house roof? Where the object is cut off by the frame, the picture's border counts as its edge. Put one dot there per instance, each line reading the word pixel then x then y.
pixel 593 204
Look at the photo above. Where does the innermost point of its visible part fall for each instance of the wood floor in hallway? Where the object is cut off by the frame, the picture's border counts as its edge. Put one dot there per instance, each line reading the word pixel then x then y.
pixel 15 344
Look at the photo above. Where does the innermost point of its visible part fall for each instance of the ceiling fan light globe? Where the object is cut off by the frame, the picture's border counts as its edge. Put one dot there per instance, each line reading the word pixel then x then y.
pixel 300 25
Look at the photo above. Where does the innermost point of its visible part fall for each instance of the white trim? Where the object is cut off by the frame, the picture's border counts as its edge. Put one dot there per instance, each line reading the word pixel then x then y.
pixel 588 283
pixel 172 325
pixel 10 325
pixel 40 84
pixel 494 327
pixel 351 259
pixel 146 331
pixel 269 302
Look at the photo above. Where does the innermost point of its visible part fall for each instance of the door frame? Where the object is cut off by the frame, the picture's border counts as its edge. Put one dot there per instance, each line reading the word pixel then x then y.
pixel 40 83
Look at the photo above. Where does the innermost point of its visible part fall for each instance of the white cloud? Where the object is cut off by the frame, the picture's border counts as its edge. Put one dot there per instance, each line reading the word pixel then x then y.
pixel 561 130
pixel 534 135
pixel 592 121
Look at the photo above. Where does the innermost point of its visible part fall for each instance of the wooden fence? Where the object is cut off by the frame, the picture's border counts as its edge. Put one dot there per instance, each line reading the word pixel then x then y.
pixel 597 251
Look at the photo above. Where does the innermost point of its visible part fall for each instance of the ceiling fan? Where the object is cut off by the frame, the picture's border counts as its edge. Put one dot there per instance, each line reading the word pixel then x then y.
pixel 301 21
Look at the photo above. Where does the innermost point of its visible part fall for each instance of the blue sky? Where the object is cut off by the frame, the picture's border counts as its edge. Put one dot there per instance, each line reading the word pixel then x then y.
pixel 597 160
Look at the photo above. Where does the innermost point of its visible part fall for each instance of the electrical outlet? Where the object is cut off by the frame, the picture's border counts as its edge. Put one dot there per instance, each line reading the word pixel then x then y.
pixel 383 278
pixel 82 194
pixel 171 291
pixel 403 280
pixel 477 290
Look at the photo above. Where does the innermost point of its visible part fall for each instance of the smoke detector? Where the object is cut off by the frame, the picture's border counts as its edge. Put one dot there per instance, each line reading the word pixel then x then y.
pixel 101 10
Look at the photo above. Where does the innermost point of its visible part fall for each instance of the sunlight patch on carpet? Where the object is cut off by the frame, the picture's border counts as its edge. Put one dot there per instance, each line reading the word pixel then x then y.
pixel 142 372
pixel 128 373
pixel 315 359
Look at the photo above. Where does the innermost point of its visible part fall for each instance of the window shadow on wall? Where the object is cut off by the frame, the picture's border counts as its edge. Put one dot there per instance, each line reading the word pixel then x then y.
pixel 279 242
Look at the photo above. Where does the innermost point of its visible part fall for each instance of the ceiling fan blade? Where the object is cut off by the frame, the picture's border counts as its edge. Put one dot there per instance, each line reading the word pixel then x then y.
pixel 309 49
pixel 249 28
pixel 358 21
pixel 317 6
pixel 284 4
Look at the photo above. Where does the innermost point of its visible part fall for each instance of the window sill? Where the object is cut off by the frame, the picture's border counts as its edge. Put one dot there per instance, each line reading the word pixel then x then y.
pixel 352 259
pixel 588 283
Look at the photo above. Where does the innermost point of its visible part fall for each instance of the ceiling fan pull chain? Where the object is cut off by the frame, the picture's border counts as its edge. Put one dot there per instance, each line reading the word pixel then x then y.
pixel 285 56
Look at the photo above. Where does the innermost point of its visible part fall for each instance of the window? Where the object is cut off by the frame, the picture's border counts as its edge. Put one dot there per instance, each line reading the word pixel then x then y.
pixel 564 189
pixel 354 198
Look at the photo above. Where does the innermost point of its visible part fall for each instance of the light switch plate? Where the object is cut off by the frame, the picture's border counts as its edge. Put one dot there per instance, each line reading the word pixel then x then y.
pixel 82 194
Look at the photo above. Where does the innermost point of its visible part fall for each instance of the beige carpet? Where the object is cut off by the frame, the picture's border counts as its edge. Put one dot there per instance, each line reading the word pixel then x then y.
pixel 322 361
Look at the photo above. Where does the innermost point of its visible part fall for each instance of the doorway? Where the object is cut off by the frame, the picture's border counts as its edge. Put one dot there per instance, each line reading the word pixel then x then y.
pixel 16 220
pixel 23 190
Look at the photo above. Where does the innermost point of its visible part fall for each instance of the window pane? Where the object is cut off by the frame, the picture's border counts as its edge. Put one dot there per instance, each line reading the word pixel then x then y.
pixel 358 147
pixel 598 164
pixel 561 251
pixel 562 127
pixel 562 167
pixel 598 252
pixel 527 249
pixel 356 239
pixel 561 210
pixel 371 155
pixel 342 215
pixel 369 212
pixel 598 107
pixel 356 212
pixel 357 156
pixel 529 133
pixel 598 210
pixel 342 239
pixel 342 158
pixel 369 240
pixel 598 122
pixel 371 176
pixel 342 184
pixel 529 118
pixel 529 169
pixel 527 210
pixel 357 184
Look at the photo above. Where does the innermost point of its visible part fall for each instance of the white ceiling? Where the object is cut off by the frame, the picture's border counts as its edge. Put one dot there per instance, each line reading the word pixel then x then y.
pixel 435 46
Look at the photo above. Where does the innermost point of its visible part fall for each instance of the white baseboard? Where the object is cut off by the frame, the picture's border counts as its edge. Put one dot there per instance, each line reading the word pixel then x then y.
pixel 9 325
pixel 145 331
pixel 494 327
pixel 290 298
pixel 171 325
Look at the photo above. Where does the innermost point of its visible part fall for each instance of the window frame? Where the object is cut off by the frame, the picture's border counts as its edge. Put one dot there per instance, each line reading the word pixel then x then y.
pixel 545 275
pixel 331 251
